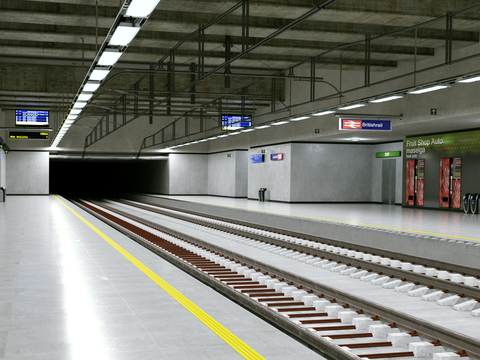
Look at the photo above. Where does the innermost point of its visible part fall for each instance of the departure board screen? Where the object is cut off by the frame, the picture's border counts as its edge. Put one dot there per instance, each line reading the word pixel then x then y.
pixel 31 117
pixel 236 122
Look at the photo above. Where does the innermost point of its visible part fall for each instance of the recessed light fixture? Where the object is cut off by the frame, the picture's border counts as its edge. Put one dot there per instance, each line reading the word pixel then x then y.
pixel 469 79
pixel 141 8
pixel 299 118
pixel 124 34
pixel 109 57
pixel 326 112
pixel 85 96
pixel 79 105
pixel 91 86
pixel 428 89
pixel 387 98
pixel 281 122
pixel 99 73
pixel 353 106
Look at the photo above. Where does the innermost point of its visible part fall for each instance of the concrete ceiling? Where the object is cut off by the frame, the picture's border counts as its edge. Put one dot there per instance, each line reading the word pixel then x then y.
pixel 47 47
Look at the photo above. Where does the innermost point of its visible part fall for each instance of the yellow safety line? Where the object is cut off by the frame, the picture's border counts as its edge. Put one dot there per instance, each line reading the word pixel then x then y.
pixel 317 218
pixel 237 344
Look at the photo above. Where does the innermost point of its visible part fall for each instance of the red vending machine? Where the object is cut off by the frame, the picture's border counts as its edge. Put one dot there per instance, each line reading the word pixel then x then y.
pixel 420 184
pixel 415 181
pixel 450 183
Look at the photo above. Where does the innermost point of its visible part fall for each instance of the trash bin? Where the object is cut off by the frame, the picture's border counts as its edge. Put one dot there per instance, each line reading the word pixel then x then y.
pixel 2 194
pixel 466 203
pixel 261 194
pixel 474 203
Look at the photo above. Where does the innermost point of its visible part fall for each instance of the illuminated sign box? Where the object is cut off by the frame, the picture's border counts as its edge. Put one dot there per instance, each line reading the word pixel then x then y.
pixel 259 158
pixel 236 122
pixel 365 125
pixel 31 117
pixel 28 135
pixel 276 157
pixel 388 154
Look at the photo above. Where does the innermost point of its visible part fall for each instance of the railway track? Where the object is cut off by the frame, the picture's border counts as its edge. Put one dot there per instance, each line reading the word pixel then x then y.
pixel 336 323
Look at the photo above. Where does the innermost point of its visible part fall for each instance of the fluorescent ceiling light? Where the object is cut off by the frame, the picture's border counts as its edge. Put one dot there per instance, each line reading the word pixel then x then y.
pixel 248 130
pixel 262 126
pixel 124 34
pixel 72 117
pixel 281 122
pixel 300 118
pixel 222 136
pixel 469 79
pixel 349 107
pixel 235 133
pixel 99 73
pixel 109 57
pixel 91 86
pixel 69 121
pixel 355 139
pixel 79 105
pixel 428 89
pixel 85 96
pixel 387 98
pixel 202 140
pixel 141 8
pixel 326 112
pixel 75 112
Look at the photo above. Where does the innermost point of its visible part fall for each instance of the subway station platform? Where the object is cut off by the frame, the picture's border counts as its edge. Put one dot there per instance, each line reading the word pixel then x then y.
pixel 73 288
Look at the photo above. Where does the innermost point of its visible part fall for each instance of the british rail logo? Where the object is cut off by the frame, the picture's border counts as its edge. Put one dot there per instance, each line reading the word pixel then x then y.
pixel 351 124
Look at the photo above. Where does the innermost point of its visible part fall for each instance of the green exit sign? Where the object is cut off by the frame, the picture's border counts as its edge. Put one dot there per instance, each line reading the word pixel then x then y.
pixel 433 112
pixel 388 154
pixel 229 155
pixel 263 151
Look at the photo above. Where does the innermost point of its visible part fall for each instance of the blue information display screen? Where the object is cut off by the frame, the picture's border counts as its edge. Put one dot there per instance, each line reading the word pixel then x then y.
pixel 235 122
pixel 259 158
pixel 31 117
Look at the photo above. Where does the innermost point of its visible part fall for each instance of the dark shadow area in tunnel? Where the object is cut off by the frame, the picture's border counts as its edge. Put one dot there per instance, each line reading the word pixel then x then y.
pixel 77 178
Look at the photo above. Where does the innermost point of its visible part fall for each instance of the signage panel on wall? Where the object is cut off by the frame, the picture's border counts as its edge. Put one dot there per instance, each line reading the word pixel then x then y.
pixel 388 154
pixel 28 135
pixel 276 157
pixel 365 125
pixel 259 158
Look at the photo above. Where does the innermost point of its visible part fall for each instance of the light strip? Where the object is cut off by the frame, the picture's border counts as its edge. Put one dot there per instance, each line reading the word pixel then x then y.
pixel 85 96
pixel 387 98
pixel 349 107
pixel 91 86
pixel 109 57
pixel 300 118
pixel 124 34
pixel 141 8
pixel 471 79
pixel 263 126
pixel 281 122
pixel 428 89
pixel 99 73
pixel 326 112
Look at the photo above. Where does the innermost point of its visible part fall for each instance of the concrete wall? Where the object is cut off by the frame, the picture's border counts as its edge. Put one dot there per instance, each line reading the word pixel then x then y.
pixel 377 171
pixel 27 173
pixel 227 174
pixel 3 165
pixel 273 175
pixel 241 169
pixel 188 174
pixel 331 172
